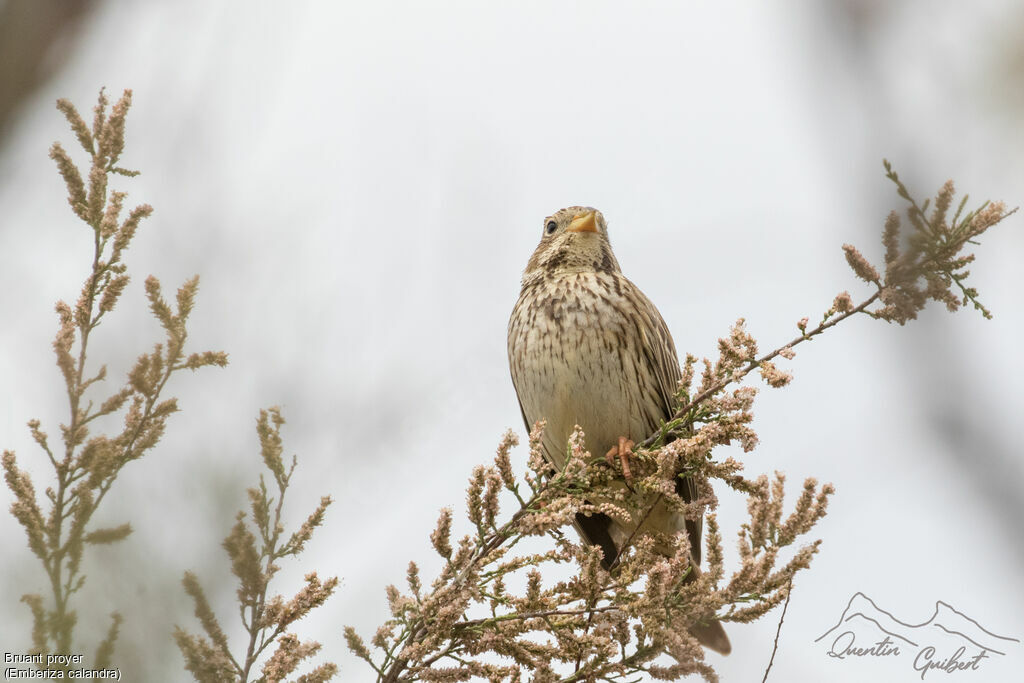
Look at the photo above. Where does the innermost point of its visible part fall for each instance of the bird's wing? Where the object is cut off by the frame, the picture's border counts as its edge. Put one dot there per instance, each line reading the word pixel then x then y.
pixel 660 353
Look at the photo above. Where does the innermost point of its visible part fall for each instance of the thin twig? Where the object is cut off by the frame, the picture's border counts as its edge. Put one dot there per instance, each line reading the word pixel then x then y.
pixel 583 611
pixel 775 647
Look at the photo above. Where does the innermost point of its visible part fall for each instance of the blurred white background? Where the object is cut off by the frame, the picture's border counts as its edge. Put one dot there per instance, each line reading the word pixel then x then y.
pixel 359 186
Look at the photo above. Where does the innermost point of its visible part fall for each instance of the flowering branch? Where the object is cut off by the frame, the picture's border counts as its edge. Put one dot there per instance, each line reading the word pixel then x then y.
pixel 85 469
pixel 604 624
pixel 266 620
pixel 929 254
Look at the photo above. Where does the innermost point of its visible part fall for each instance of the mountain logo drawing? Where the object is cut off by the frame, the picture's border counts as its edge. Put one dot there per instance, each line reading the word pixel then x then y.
pixel 948 641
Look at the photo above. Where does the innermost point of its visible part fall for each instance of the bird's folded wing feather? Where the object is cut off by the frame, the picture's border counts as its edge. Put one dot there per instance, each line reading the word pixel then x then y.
pixel 660 352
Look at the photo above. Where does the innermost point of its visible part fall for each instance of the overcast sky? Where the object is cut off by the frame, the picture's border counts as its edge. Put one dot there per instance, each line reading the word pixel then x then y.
pixel 359 187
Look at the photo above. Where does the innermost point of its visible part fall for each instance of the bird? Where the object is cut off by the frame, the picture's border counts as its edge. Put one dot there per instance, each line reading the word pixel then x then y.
pixel 586 347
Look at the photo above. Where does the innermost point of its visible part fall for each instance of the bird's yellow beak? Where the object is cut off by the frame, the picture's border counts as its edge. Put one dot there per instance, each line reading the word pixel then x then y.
pixel 584 222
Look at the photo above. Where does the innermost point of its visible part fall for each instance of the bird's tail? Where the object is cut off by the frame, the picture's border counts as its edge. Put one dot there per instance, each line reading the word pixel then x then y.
pixel 712 636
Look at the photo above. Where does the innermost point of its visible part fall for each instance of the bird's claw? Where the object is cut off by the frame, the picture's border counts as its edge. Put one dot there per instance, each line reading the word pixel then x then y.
pixel 623 451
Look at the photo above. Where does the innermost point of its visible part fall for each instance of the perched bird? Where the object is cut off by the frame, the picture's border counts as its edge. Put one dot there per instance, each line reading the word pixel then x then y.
pixel 587 348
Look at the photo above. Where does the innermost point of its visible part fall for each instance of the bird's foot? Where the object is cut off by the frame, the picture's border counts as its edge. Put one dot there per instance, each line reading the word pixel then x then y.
pixel 624 451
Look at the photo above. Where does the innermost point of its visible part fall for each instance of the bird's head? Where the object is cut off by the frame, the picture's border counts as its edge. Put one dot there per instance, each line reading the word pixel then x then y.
pixel 574 240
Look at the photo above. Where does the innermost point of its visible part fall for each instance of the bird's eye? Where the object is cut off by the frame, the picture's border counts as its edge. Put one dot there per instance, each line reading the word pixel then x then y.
pixel 550 228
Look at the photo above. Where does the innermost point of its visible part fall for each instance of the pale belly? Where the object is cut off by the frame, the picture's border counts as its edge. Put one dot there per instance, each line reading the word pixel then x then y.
pixel 581 362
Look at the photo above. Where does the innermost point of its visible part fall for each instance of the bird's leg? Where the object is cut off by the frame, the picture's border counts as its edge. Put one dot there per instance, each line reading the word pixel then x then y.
pixel 624 451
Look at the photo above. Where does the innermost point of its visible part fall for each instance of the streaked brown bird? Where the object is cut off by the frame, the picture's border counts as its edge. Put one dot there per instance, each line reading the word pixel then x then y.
pixel 587 348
